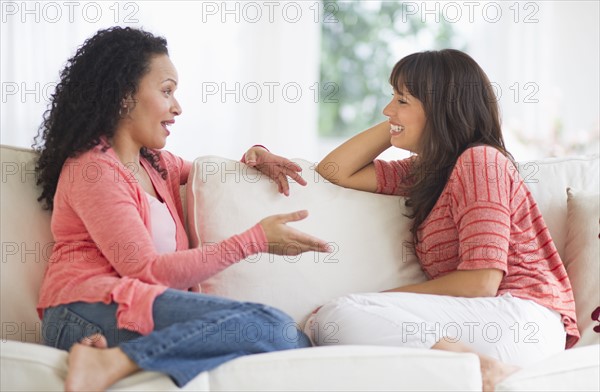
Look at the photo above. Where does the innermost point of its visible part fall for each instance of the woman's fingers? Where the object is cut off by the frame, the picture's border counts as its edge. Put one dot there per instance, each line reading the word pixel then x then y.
pixel 299 241
pixel 293 216
pixel 285 240
pixel 295 175
pixel 277 168
pixel 280 176
pixel 281 161
pixel 284 186
pixel 307 243
pixel 300 245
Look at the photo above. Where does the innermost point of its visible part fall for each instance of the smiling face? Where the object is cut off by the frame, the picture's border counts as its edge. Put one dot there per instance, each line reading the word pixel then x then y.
pixel 407 120
pixel 153 108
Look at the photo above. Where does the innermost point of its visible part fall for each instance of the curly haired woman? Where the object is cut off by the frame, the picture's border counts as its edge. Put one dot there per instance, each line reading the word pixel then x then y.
pixel 119 288
pixel 497 286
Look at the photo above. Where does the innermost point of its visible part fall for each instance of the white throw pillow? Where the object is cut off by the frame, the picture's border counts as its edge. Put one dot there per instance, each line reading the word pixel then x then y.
pixel 368 231
pixel 582 251
pixel 547 180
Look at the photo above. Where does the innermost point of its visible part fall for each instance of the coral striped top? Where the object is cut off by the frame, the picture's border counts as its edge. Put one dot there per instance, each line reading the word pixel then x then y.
pixel 486 218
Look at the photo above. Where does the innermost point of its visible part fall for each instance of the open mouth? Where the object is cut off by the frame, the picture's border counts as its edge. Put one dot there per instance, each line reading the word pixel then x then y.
pixel 165 125
pixel 396 129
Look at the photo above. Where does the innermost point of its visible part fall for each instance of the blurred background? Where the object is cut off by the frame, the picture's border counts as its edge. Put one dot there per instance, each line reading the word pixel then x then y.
pixel 302 76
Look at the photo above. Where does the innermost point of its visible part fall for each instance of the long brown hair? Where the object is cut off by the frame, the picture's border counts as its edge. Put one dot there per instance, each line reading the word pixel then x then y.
pixel 461 111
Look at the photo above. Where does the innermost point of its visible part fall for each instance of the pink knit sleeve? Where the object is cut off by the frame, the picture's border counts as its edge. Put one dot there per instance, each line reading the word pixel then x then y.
pixel 108 205
pixel 392 175
pixel 480 209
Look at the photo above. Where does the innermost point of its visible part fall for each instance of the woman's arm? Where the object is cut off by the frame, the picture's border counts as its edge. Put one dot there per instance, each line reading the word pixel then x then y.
pixel 351 164
pixel 106 209
pixel 480 209
pixel 464 283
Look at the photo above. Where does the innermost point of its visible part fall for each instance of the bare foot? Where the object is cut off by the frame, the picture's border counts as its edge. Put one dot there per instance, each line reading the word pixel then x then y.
pixel 95 369
pixel 494 371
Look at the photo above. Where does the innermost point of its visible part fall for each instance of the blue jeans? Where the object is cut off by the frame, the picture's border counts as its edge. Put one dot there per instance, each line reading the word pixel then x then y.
pixel 192 332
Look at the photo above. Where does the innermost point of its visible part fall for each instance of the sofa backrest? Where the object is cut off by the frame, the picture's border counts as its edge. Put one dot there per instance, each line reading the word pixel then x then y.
pixel 26 245
pixel 27 241
pixel 369 233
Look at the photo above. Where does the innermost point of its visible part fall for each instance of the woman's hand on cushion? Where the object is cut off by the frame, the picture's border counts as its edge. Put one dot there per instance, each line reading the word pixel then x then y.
pixel 276 167
pixel 285 240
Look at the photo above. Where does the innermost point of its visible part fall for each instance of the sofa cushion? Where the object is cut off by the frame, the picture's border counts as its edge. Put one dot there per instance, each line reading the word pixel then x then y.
pixel 26 245
pixel 344 368
pixel 577 369
pixel 33 367
pixel 582 259
pixel 20 361
pixel 350 368
pixel 368 232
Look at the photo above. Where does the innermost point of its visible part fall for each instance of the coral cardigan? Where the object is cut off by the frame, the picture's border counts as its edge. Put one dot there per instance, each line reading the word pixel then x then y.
pixel 104 251
pixel 486 218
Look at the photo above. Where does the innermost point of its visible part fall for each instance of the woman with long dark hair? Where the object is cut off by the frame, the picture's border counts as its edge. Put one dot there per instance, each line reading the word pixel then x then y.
pixel 497 286
pixel 121 288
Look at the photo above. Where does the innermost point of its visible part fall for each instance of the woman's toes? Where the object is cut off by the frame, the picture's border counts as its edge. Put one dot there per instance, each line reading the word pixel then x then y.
pixel 96 340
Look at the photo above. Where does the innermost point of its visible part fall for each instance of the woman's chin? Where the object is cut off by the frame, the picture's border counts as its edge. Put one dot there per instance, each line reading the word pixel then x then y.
pixel 158 145
pixel 397 143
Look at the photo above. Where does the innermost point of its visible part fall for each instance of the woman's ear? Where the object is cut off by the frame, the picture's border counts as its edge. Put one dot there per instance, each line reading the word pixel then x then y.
pixel 127 104
pixel 127 101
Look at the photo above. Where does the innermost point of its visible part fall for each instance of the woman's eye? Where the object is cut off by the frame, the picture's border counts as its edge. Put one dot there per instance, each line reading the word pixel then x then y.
pixel 168 92
pixel 399 100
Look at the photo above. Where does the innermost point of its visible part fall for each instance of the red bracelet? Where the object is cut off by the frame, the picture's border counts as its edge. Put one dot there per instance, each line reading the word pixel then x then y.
pixel 243 160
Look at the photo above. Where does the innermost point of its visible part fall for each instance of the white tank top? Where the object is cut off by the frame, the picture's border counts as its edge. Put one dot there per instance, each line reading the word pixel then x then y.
pixel 163 226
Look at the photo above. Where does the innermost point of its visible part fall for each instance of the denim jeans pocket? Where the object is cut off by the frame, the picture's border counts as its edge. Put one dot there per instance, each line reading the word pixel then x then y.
pixel 65 328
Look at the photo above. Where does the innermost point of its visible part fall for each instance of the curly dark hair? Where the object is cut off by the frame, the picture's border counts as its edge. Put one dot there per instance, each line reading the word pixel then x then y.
pixel 86 103
pixel 461 111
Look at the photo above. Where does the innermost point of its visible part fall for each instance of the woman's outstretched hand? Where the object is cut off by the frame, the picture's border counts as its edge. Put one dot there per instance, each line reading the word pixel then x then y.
pixel 276 167
pixel 285 240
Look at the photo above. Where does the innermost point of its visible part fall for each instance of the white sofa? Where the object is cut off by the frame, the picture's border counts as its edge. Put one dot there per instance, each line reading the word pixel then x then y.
pixel 369 234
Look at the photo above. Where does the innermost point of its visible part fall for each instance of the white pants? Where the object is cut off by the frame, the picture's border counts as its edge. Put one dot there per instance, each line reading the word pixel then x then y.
pixel 510 329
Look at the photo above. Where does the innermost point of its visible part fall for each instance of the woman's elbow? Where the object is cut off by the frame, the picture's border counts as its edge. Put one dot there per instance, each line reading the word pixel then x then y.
pixel 489 282
pixel 488 291
pixel 478 291
pixel 330 171
pixel 479 282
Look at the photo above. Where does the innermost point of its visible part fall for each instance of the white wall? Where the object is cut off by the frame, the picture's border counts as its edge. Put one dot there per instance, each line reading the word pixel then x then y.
pixel 544 59
pixel 558 54
pixel 271 49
